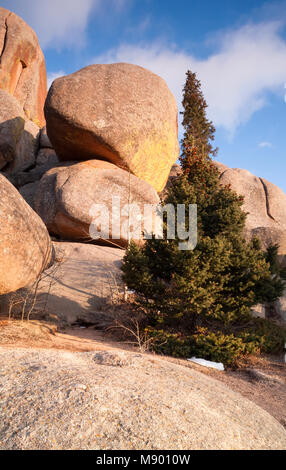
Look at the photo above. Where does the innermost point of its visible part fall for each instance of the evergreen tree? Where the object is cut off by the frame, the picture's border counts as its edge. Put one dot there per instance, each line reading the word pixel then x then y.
pixel 199 131
pixel 215 285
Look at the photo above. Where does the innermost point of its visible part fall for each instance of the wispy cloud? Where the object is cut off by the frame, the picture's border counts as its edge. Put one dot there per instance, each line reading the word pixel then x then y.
pixel 59 23
pixel 249 62
pixel 140 27
pixel 265 145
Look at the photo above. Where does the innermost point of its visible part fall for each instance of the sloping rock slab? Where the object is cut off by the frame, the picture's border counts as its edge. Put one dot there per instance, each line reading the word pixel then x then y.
pixel 119 401
pixel 86 278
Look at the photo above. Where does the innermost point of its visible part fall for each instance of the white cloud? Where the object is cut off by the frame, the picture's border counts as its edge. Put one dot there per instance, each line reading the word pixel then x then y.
pixel 265 145
pixel 249 62
pixel 58 22
pixel 53 75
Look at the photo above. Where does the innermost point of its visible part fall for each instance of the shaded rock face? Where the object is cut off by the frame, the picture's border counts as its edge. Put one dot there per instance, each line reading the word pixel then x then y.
pixel 120 400
pixel 175 172
pixel 87 280
pixel 28 192
pixel 46 159
pixel 27 149
pixel 259 311
pixel 264 202
pixel 25 247
pixel 120 113
pixel 12 123
pixel 44 139
pixel 280 307
pixel 66 195
pixel 19 137
pixel 22 65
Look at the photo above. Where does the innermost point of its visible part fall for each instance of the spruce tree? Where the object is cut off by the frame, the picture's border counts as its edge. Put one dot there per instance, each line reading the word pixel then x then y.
pixel 214 286
pixel 199 131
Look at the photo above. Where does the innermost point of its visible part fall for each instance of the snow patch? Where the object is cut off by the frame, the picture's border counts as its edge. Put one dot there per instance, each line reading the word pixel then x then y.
pixel 203 362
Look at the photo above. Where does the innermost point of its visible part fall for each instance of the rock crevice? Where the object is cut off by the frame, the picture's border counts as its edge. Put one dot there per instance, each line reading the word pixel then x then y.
pixel 267 202
pixel 5 37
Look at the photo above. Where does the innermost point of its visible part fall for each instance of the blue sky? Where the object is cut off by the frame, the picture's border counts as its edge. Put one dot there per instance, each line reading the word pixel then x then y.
pixel 237 48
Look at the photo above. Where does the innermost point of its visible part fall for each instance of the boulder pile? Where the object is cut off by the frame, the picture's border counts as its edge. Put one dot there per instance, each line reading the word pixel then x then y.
pixel 103 133
pixel 111 132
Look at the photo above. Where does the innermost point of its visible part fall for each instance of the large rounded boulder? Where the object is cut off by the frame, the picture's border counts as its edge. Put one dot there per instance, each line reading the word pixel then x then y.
pixel 121 113
pixel 67 197
pixel 25 246
pixel 22 65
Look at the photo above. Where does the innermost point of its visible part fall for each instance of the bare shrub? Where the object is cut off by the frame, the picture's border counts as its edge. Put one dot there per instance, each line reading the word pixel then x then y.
pixel 128 324
pixel 25 302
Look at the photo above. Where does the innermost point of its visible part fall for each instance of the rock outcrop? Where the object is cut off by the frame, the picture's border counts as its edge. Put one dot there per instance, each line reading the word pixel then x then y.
pixel 66 195
pixel 264 202
pixel 120 113
pixel 119 400
pixel 22 66
pixel 23 90
pixel 25 247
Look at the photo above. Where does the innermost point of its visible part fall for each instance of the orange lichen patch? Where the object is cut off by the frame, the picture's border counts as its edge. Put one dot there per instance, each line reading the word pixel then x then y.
pixel 154 170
